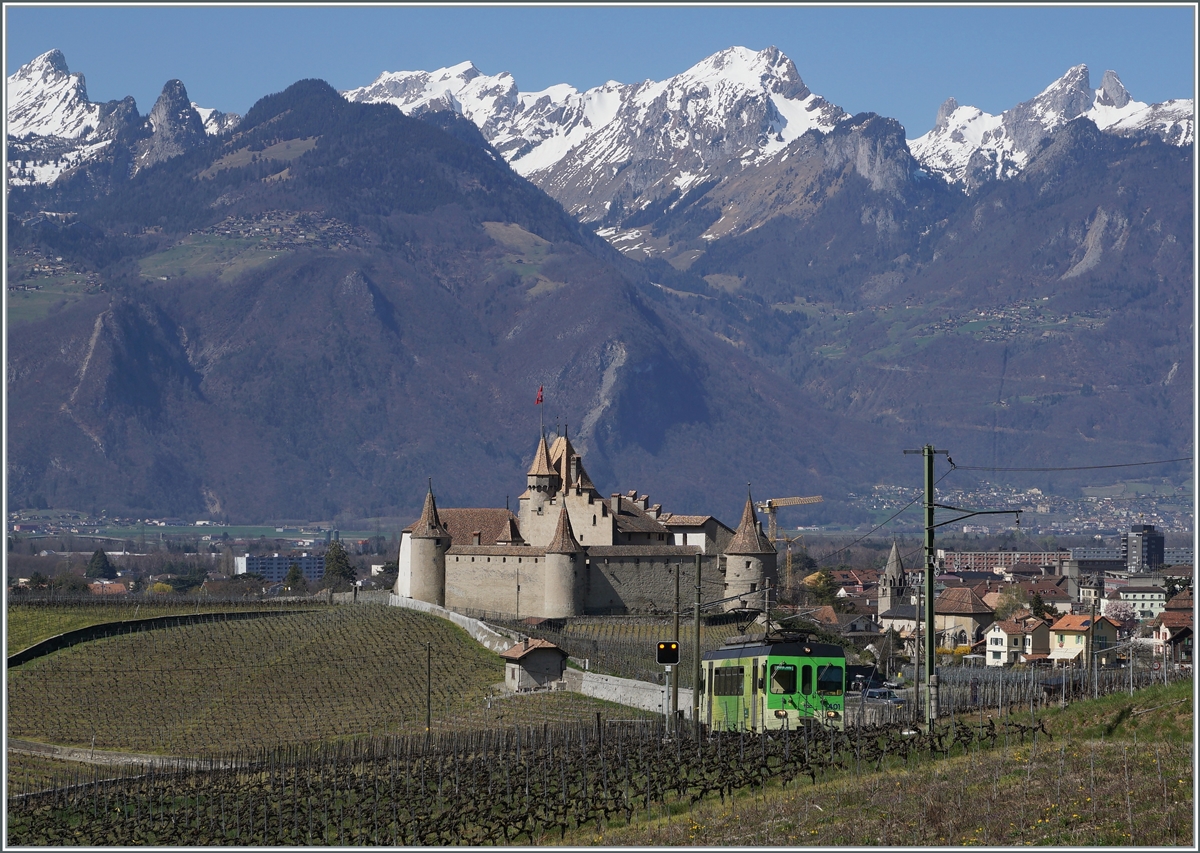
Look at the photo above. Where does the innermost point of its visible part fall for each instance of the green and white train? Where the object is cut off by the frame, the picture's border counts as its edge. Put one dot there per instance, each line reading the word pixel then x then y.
pixel 756 684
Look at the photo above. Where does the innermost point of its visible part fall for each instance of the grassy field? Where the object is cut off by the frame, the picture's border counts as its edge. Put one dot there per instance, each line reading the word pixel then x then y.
pixel 31 623
pixel 1117 771
pixel 202 254
pixel 26 305
pixel 218 687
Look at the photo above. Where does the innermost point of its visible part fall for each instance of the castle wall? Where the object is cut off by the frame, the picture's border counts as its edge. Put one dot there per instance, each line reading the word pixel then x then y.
pixel 486 578
pixel 644 584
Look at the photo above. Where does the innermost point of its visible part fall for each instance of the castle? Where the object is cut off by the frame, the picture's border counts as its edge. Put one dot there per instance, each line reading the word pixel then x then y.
pixel 571 552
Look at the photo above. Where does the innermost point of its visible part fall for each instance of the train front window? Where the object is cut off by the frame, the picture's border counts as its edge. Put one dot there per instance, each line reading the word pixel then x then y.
pixel 728 680
pixel 829 680
pixel 806 680
pixel 783 678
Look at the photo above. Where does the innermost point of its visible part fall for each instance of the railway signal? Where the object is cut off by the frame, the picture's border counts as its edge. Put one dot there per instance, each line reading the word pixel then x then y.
pixel 668 653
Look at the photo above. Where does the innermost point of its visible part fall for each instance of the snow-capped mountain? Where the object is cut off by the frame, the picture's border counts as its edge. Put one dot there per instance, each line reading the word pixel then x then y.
pixel 52 126
pixel 968 146
pixel 46 99
pixel 617 148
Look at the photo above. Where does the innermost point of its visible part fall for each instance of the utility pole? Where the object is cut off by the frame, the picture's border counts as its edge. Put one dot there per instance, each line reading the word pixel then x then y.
pixel 1091 645
pixel 696 656
pixel 675 637
pixel 927 452
pixel 930 685
pixel 428 690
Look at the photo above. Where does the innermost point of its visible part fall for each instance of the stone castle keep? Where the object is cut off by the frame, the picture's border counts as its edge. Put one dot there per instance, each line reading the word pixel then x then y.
pixel 570 552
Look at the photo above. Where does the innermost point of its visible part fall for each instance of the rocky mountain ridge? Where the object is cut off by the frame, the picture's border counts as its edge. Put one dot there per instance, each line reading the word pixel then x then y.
pixel 53 127
pixel 969 147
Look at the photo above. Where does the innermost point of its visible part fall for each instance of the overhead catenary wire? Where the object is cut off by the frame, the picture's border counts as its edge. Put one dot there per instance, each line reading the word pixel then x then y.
pixel 884 523
pixel 1070 467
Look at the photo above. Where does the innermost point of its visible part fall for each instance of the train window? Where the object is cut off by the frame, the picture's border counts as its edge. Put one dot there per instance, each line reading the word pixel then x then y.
pixel 728 680
pixel 829 680
pixel 783 678
pixel 806 680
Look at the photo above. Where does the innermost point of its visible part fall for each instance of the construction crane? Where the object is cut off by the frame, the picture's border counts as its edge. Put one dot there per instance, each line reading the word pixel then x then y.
pixel 770 505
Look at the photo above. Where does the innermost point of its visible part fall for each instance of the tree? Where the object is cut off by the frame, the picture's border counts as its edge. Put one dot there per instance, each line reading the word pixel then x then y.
pixel 100 567
pixel 1122 613
pixel 822 586
pixel 37 580
pixel 70 583
pixel 1038 607
pixel 339 574
pixel 295 581
pixel 1012 599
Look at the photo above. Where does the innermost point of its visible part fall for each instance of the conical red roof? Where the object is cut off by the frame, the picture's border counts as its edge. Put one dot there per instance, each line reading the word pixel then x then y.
pixel 563 541
pixel 429 526
pixel 541 460
pixel 749 538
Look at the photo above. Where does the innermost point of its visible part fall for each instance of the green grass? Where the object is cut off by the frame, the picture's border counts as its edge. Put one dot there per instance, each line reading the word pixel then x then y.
pixel 27 305
pixel 202 254
pixel 289 149
pixel 29 624
pixel 1118 771
pixel 211 688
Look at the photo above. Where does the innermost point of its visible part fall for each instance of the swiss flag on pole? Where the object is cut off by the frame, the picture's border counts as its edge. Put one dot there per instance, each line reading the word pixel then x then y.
pixel 538 401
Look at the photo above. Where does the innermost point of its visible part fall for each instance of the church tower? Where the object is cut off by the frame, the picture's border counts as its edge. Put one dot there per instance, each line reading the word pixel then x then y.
pixel 893 587
pixel 749 562
pixel 564 564
pixel 430 542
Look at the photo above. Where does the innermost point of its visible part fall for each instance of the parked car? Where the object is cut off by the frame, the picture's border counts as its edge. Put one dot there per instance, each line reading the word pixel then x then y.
pixel 884 695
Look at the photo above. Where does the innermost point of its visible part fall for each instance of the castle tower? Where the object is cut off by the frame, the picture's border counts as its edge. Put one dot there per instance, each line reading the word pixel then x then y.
pixel 564 559
pixel 893 586
pixel 749 561
pixel 429 542
pixel 542 483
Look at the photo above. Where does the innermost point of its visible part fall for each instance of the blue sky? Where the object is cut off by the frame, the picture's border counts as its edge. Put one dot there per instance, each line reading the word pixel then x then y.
pixel 900 61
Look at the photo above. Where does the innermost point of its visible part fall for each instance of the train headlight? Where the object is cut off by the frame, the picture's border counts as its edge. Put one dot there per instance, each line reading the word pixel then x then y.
pixel 781 714
pixel 832 715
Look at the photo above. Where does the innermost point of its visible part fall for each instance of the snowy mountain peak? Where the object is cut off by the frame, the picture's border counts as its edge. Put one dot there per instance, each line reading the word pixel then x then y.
pixel 49 65
pixel 46 99
pixel 968 146
pixel 736 107
pixel 945 111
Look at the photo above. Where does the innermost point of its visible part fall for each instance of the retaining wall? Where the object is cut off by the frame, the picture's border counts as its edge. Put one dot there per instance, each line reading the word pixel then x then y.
pixel 627 691
pixel 496 640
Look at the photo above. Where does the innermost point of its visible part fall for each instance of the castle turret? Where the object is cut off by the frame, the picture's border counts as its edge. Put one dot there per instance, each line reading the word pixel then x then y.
pixel 749 562
pixel 537 504
pixel 563 577
pixel 429 543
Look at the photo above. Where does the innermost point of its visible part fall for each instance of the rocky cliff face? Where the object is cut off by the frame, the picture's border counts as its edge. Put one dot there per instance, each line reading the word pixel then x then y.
pixel 174 125
pixel 53 128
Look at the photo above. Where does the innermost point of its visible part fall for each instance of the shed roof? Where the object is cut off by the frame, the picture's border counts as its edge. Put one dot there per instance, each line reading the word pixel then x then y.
pixel 529 646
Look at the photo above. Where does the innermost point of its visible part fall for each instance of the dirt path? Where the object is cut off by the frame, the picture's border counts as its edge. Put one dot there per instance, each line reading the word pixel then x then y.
pixel 105 757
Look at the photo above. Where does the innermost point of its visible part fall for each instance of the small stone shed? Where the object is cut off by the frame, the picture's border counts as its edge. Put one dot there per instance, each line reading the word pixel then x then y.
pixel 533 664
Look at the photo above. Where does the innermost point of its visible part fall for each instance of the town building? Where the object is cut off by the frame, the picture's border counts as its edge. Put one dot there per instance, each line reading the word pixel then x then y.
pixel 1142 547
pixel 1017 640
pixel 275 567
pixel 1073 637
pixel 569 551
pixel 1147 601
